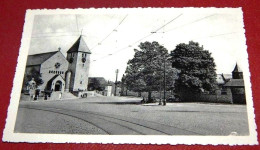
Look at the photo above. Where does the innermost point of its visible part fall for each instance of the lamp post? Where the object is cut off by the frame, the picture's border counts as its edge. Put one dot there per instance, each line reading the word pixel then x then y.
pixel 164 80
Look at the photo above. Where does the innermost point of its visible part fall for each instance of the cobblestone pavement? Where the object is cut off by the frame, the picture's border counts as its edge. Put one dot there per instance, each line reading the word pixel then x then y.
pixel 127 116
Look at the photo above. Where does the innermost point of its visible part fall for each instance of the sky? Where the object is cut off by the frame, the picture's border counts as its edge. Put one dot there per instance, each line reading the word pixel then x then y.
pixel 112 34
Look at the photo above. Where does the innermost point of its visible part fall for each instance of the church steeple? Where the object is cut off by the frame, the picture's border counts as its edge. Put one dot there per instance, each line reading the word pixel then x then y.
pixel 79 46
pixel 78 57
pixel 237 73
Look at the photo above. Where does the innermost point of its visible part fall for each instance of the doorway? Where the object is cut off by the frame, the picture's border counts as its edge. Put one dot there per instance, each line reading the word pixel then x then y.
pixel 58 86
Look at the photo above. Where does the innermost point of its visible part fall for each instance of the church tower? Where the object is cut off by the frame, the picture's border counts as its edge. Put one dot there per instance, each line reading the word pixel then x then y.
pixel 237 73
pixel 78 57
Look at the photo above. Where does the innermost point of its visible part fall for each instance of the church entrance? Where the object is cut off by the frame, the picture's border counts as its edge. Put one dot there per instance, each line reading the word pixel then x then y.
pixel 58 86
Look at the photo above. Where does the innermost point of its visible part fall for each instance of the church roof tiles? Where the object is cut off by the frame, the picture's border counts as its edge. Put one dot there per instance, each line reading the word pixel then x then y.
pixel 235 83
pixel 38 59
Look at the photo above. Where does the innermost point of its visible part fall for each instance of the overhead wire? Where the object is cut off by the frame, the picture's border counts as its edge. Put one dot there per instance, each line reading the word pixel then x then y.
pixel 109 33
pixel 142 38
pixel 191 22
pixel 212 36
pixel 77 22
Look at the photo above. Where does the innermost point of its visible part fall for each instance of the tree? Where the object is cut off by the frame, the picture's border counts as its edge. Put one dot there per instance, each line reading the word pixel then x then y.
pixel 197 67
pixel 33 73
pixel 95 84
pixel 144 72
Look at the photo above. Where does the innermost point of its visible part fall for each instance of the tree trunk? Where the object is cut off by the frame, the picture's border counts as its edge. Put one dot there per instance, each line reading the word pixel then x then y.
pixel 149 95
pixel 139 94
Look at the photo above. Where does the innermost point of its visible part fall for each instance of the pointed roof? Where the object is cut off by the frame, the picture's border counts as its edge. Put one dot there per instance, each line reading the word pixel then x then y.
pixel 223 78
pixel 237 69
pixel 79 46
pixel 38 59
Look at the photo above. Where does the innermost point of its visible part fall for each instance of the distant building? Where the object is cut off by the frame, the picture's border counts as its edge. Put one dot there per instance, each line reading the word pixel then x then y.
pixel 60 73
pixel 110 89
pixel 236 86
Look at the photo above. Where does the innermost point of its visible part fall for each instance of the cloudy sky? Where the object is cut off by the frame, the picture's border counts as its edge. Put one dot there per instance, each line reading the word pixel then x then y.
pixel 112 34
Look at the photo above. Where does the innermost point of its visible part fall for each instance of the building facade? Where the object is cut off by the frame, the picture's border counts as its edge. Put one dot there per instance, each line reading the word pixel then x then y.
pixel 60 73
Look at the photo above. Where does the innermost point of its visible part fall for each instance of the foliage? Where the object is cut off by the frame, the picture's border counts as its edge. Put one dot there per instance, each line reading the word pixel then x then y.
pixel 33 73
pixel 144 72
pixel 197 67
pixel 95 84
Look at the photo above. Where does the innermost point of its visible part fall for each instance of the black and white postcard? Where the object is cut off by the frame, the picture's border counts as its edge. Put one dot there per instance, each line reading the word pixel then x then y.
pixel 133 75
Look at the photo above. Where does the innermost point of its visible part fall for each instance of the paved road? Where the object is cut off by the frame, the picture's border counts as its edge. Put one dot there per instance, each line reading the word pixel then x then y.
pixel 126 116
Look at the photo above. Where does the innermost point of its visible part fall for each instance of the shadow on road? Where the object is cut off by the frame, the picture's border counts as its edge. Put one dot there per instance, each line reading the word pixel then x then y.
pixel 119 103
pixel 199 111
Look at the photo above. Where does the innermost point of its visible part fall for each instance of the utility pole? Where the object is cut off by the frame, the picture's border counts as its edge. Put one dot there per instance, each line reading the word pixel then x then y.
pixel 164 80
pixel 116 81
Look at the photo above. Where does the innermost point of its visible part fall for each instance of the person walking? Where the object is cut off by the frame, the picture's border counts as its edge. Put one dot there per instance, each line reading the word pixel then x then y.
pixel 32 88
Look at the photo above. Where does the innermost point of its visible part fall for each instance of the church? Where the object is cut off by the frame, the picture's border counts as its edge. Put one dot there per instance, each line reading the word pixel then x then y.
pixel 61 73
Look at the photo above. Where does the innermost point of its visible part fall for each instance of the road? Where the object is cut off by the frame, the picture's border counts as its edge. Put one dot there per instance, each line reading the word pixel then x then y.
pixel 126 116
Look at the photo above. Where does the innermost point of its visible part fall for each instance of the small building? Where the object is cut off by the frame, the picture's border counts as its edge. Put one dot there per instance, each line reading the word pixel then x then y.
pixel 236 86
pixel 110 89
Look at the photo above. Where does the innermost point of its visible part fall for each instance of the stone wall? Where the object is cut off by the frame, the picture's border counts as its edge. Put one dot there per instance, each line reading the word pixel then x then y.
pixel 205 97
pixel 155 94
pixel 238 95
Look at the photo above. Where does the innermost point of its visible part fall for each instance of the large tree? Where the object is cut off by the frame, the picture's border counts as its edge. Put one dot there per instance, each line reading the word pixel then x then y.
pixel 145 71
pixel 33 73
pixel 197 68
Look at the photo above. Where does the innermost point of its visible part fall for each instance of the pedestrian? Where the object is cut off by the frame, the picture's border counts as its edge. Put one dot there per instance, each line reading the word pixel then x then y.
pixel 60 95
pixel 32 87
pixel 45 96
pixel 37 94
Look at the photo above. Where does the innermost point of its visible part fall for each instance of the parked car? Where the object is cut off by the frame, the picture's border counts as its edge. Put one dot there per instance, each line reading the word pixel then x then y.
pixel 173 98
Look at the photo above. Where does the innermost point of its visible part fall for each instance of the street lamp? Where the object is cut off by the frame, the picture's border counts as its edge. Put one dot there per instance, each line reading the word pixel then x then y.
pixel 164 86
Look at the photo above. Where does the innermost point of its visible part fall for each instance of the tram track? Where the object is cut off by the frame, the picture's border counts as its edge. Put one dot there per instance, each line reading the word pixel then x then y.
pixel 109 125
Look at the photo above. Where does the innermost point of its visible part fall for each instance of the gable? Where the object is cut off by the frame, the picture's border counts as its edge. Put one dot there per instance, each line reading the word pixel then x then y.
pixel 50 63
